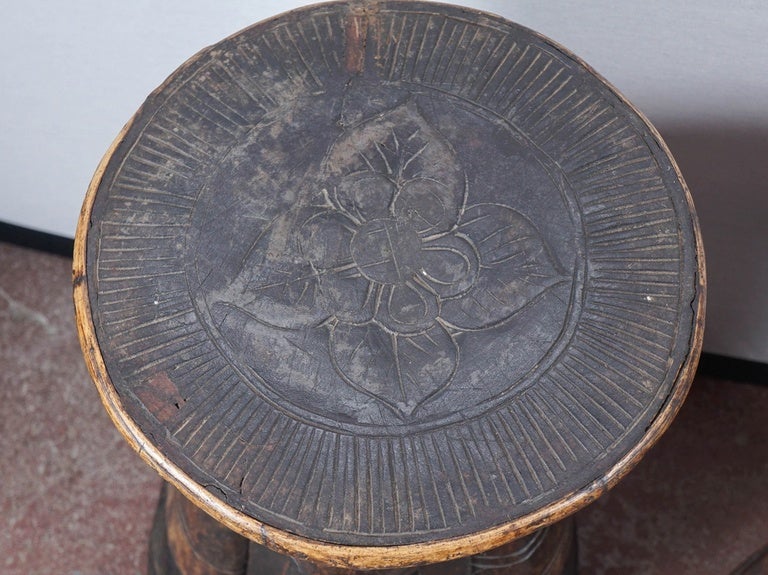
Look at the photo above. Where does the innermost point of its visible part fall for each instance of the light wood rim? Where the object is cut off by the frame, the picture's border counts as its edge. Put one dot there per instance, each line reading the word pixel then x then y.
pixel 374 557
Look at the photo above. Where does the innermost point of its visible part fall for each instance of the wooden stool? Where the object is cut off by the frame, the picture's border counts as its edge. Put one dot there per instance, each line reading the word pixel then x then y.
pixel 386 284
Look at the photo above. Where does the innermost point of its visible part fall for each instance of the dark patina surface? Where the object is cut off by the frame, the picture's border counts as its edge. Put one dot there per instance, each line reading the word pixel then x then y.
pixel 377 274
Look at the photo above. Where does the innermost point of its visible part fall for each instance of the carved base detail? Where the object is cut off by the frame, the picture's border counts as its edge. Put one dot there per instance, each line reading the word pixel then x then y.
pixel 186 541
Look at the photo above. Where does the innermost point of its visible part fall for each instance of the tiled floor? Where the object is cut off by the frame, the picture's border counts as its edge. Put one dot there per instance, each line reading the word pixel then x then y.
pixel 74 498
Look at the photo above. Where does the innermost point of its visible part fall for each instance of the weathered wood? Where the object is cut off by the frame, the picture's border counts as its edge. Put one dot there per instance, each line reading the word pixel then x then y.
pixel 549 551
pixel 186 541
pixel 388 283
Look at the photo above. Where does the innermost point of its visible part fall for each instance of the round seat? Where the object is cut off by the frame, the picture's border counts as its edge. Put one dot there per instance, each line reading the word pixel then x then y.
pixel 389 283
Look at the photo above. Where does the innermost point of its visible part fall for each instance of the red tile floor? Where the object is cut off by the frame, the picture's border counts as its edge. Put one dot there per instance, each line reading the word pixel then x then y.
pixel 75 499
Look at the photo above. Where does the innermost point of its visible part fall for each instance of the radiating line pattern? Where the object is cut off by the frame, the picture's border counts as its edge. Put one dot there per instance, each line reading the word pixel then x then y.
pixel 584 407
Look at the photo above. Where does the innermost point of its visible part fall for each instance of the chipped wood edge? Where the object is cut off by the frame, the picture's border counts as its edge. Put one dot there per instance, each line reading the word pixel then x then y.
pixel 376 557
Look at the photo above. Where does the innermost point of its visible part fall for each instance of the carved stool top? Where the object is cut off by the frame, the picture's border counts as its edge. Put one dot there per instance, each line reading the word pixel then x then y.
pixel 389 282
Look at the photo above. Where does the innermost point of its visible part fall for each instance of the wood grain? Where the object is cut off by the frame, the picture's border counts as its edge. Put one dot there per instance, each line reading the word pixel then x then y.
pixel 389 286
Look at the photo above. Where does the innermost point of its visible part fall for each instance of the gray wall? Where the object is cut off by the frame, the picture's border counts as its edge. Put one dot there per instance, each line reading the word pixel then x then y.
pixel 74 72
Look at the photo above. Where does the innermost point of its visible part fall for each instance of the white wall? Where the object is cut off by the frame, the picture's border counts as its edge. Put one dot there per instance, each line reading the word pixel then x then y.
pixel 72 73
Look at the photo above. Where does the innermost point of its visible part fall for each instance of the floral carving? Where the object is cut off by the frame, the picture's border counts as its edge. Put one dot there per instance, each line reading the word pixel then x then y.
pixel 392 260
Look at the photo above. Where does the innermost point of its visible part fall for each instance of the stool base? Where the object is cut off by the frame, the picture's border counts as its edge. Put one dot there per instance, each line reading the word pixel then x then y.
pixel 186 541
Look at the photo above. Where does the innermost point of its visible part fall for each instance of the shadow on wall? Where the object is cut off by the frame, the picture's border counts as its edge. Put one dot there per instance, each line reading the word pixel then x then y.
pixel 726 169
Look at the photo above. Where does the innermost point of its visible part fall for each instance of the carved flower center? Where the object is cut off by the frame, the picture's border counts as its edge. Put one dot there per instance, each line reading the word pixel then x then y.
pixel 387 251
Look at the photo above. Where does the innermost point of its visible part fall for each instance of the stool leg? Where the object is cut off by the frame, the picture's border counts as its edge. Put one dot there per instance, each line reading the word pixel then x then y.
pixel 548 551
pixel 187 541
pixel 263 561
